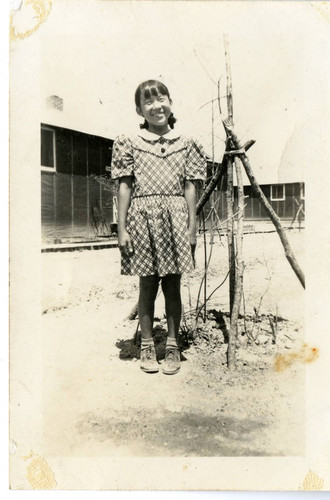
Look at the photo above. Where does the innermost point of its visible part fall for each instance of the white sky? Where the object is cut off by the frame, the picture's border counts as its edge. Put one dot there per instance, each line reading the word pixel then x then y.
pixel 96 51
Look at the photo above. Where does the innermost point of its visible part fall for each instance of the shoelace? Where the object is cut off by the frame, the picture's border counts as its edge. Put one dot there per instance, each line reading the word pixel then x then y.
pixel 170 353
pixel 147 350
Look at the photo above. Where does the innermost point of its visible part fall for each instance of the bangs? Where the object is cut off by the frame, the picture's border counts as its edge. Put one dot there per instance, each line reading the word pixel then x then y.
pixel 150 88
pixel 153 89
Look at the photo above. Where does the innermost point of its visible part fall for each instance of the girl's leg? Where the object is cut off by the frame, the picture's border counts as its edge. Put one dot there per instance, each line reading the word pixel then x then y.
pixel 171 288
pixel 148 292
pixel 147 296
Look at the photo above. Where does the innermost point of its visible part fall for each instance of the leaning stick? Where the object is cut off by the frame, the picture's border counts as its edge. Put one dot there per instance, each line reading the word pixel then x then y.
pixel 240 152
pixel 210 187
pixel 134 311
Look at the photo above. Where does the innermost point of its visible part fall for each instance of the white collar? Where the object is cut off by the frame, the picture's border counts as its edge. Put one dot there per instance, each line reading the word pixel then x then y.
pixel 151 136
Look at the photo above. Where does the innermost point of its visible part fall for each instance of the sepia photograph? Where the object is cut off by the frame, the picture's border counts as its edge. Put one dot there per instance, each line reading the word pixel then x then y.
pixel 162 336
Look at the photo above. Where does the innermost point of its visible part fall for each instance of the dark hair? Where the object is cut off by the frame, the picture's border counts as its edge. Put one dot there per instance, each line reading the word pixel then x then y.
pixel 149 88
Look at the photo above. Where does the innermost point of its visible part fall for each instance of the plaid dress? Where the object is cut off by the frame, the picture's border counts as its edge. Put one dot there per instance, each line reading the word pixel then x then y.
pixel 157 219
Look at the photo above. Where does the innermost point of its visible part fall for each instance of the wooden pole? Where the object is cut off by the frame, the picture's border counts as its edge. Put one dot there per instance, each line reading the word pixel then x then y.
pixel 230 232
pixel 213 168
pixel 231 353
pixel 239 265
pixel 230 184
pixel 230 106
pixel 205 267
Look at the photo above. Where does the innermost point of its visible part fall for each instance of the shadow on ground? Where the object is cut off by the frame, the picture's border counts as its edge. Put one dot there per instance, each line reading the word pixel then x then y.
pixel 175 433
pixel 130 348
pixel 219 317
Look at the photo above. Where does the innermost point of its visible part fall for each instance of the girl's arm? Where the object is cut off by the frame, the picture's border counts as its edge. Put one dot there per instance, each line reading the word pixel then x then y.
pixel 124 200
pixel 190 196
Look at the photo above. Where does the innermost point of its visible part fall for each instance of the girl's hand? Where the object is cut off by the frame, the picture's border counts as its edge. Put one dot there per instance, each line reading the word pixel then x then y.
pixel 190 196
pixel 192 236
pixel 193 248
pixel 125 243
pixel 192 241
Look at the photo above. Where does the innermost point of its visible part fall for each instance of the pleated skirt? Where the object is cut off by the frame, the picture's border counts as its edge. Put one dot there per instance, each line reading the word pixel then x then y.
pixel 158 226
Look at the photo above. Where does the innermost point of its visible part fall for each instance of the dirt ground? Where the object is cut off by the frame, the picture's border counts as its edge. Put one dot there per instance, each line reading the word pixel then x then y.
pixel 97 401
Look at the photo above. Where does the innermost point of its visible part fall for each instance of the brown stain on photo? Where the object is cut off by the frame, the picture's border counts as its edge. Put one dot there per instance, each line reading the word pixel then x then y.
pixel 312 482
pixel 27 19
pixel 306 354
pixel 39 474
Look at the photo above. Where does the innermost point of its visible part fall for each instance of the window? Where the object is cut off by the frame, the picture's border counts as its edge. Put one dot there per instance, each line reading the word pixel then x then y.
pixel 48 158
pixel 277 192
pixel 302 191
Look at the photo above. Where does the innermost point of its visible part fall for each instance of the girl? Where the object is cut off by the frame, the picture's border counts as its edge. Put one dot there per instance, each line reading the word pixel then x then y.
pixel 157 214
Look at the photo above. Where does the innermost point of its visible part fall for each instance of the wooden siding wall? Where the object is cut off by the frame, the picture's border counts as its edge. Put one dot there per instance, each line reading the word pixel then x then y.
pixel 286 209
pixel 74 203
pixel 74 207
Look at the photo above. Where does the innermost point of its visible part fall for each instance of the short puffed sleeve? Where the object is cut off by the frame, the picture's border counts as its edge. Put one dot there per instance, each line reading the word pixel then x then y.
pixel 122 163
pixel 196 161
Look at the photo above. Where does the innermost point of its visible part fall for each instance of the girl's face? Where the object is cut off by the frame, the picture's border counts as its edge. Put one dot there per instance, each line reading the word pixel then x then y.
pixel 156 109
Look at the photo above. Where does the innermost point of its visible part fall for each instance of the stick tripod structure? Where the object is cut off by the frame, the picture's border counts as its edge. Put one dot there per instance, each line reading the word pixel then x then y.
pixel 235 156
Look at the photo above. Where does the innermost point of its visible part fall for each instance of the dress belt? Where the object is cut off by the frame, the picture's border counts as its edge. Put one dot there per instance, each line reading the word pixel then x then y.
pixel 155 194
